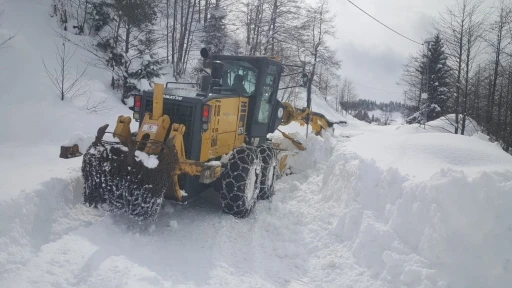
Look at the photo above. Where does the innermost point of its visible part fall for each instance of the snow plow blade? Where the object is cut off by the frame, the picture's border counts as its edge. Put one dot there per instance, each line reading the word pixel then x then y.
pixel 67 152
pixel 124 180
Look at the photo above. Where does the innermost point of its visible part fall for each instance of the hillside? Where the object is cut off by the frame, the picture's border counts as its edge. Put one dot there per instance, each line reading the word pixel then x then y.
pixel 368 206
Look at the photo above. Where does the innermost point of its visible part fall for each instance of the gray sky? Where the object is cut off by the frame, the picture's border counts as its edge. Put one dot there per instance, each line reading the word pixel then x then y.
pixel 372 56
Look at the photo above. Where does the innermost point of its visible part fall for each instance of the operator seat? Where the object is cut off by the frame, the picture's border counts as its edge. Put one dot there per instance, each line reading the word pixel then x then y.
pixel 238 84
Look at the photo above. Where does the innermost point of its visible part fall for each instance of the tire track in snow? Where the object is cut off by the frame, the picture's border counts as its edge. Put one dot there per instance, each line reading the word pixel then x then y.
pixel 190 245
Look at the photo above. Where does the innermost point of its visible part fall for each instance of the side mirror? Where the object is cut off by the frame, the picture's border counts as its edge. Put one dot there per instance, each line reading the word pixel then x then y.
pixel 305 80
pixel 216 74
pixel 217 68
pixel 204 53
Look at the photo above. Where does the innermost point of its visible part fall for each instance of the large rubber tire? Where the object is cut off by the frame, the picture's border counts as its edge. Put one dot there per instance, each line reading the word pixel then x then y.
pixel 241 182
pixel 269 171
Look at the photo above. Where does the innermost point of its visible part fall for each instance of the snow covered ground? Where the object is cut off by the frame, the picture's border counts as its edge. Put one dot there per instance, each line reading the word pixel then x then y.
pixel 370 206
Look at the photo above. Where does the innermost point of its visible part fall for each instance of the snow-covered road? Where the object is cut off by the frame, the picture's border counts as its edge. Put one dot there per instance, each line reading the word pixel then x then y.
pixel 342 221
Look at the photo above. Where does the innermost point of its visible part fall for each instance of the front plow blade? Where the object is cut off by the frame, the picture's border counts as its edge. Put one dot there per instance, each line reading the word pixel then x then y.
pixel 130 183
pixel 67 152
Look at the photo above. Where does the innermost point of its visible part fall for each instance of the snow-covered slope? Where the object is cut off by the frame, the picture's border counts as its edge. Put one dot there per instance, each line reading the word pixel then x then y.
pixel 421 152
pixel 35 121
pixel 31 105
pixel 370 206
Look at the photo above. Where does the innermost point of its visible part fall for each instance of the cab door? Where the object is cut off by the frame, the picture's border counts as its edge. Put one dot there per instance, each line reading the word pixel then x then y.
pixel 263 104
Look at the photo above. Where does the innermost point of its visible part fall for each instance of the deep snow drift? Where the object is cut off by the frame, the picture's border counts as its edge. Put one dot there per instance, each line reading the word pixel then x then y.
pixel 343 221
pixel 370 206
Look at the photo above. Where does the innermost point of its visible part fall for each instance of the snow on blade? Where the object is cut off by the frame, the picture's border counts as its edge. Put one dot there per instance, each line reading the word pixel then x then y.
pixel 150 161
pixel 81 140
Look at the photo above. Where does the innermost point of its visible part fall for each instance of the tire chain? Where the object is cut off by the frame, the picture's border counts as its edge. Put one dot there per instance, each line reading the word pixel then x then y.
pixel 134 190
pixel 268 159
pixel 233 194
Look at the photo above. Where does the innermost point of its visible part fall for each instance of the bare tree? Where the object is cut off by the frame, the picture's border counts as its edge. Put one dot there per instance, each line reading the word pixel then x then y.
pixel 317 27
pixel 412 79
pixel 347 95
pixel 456 24
pixel 474 32
pixel 67 85
pixel 3 42
pixel 453 26
pixel 96 106
pixel 498 29
pixel 386 118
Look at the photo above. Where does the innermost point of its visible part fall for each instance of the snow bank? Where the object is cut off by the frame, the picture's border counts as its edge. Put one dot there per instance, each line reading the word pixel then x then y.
pixel 396 117
pixel 37 217
pixel 339 221
pixel 446 124
pixel 449 231
pixel 420 153
pixel 24 167
pixel 318 104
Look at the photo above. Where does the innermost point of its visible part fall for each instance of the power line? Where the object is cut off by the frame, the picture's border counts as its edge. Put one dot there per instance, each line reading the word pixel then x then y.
pixel 392 92
pixel 384 24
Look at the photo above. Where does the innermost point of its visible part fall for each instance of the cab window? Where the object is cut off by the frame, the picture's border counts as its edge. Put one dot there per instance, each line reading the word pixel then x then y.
pixel 267 94
pixel 240 76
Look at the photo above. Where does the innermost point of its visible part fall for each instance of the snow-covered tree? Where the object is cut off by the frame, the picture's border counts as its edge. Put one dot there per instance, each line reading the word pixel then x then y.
pixel 215 35
pixel 126 41
pixel 436 83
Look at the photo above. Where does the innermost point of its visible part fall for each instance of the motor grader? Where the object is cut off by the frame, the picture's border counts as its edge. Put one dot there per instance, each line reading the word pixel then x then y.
pixel 210 134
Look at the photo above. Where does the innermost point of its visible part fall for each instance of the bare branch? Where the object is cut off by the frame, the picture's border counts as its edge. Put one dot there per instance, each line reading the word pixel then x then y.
pixel 67 86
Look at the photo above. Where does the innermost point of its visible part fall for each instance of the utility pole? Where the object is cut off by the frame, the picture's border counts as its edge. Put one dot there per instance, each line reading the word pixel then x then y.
pixel 404 109
pixel 424 94
pixel 308 98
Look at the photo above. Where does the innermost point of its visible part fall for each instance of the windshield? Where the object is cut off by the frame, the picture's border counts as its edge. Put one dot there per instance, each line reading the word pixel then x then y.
pixel 239 75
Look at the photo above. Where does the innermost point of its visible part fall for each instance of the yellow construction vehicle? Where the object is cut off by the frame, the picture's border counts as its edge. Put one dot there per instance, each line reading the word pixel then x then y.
pixel 193 136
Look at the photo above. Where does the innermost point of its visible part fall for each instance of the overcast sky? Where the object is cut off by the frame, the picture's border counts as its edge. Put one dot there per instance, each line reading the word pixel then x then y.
pixel 372 56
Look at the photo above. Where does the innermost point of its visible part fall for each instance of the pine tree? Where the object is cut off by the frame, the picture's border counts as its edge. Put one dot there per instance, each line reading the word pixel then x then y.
pixel 150 65
pixel 127 41
pixel 437 84
pixel 215 35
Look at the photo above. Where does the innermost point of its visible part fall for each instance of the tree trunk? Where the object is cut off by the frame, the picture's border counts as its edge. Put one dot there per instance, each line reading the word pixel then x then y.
pixel 274 20
pixel 173 52
pixel 188 44
pixel 167 16
pixel 498 122
pixel 466 82
pixel 459 72
pixel 126 65
pixel 181 44
pixel 199 12
pixel 206 8
pixel 497 55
